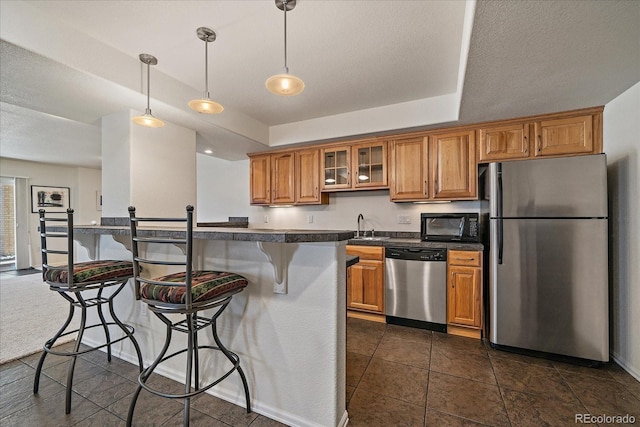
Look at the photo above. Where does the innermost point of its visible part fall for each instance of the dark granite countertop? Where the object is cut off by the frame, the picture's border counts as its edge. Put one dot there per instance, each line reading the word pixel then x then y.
pixel 214 233
pixel 417 243
pixel 352 259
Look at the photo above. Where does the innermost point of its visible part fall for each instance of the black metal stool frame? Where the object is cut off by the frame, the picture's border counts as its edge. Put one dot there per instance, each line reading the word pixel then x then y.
pixel 190 325
pixel 70 290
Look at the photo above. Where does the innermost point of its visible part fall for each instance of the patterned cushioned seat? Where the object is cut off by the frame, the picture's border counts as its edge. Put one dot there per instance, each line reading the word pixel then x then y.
pixel 205 286
pixel 90 272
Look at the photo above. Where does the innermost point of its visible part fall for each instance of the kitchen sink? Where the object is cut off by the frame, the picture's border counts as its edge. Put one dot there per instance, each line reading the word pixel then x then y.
pixel 371 238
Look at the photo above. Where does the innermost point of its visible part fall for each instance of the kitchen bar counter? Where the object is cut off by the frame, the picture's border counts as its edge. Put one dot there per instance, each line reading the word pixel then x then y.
pixel 222 233
pixel 288 326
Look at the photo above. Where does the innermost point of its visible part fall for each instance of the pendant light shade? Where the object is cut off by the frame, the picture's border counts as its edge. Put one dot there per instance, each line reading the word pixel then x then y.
pixel 205 105
pixel 285 84
pixel 147 119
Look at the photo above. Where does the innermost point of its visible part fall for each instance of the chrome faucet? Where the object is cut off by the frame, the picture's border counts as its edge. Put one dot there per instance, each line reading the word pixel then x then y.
pixel 360 217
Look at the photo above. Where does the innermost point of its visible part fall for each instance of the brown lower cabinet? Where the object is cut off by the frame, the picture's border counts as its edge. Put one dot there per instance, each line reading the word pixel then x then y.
pixel 365 281
pixel 464 293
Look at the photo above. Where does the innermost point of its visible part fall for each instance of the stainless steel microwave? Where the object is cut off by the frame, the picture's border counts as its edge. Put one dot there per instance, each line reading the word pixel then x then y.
pixel 450 227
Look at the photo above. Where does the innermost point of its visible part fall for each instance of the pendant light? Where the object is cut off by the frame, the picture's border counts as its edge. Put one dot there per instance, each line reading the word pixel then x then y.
pixel 147 118
pixel 285 84
pixel 205 105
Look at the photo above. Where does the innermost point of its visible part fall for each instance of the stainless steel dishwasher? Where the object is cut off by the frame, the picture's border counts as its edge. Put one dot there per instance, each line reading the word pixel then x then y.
pixel 416 287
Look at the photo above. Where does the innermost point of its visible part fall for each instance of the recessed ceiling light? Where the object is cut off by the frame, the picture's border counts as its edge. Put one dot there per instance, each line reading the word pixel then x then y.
pixel 208 151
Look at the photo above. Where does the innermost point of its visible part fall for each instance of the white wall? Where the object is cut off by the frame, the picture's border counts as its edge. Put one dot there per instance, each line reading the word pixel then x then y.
pixel 83 184
pixel 622 145
pixel 223 191
pixel 222 188
pixel 153 169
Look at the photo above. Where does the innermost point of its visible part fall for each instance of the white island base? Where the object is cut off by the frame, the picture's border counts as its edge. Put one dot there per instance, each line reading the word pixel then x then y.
pixel 292 345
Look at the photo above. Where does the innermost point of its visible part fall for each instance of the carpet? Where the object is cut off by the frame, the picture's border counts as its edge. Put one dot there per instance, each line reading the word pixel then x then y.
pixel 30 314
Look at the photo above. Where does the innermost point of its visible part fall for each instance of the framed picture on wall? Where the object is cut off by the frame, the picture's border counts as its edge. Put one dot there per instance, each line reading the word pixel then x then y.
pixel 51 199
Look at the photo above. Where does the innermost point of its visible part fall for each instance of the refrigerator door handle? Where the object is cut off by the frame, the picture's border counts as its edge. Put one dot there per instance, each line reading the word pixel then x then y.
pixel 499 212
pixel 500 240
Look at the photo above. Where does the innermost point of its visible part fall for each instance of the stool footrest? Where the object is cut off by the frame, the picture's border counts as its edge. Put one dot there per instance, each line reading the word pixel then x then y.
pixel 200 323
pixel 147 372
pixel 90 302
pixel 48 345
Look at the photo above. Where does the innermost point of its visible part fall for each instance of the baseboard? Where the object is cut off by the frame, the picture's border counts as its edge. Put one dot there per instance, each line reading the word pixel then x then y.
pixel 344 420
pixel 367 316
pixel 464 332
pixel 624 365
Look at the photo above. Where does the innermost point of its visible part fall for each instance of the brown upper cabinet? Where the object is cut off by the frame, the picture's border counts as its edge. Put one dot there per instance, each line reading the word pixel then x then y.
pixel 564 136
pixel 260 179
pixel 503 142
pixel 453 165
pixel 438 164
pixel 409 169
pixel 272 179
pixel 361 165
pixel 282 179
pixel 369 164
pixel 336 167
pixel 433 167
pixel 286 178
pixel 308 178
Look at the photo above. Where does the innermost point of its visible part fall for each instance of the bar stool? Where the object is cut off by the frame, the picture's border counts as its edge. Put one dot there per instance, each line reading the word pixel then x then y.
pixel 82 285
pixel 186 292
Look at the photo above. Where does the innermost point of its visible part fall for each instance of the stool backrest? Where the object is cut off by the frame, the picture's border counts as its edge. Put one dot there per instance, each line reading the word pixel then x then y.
pixel 45 235
pixel 146 236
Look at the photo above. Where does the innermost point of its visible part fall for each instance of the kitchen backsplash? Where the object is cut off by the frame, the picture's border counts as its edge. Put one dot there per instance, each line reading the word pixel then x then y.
pixel 343 210
pixel 219 202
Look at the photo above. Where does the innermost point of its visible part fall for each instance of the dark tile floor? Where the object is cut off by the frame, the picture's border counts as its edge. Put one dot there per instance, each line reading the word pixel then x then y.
pixel 396 376
pixel 101 395
pixel 399 376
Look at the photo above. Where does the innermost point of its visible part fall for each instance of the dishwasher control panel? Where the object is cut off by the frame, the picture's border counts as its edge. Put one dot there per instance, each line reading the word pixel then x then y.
pixel 417 254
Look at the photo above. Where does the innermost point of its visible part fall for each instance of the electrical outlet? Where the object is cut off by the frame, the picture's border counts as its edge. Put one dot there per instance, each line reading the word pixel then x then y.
pixel 144 310
pixel 265 219
pixel 310 219
pixel 404 219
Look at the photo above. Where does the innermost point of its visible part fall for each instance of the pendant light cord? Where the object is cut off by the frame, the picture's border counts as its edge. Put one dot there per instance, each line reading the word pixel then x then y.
pixel 148 86
pixel 206 69
pixel 286 68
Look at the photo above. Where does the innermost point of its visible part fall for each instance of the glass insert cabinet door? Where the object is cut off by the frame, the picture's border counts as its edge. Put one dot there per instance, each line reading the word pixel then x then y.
pixel 371 165
pixel 336 164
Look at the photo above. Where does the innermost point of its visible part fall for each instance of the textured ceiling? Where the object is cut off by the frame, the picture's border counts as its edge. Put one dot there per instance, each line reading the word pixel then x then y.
pixel 531 57
pixel 369 67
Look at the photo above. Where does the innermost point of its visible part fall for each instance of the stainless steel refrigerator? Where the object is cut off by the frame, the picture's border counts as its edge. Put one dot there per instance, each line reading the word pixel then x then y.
pixel 548 257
